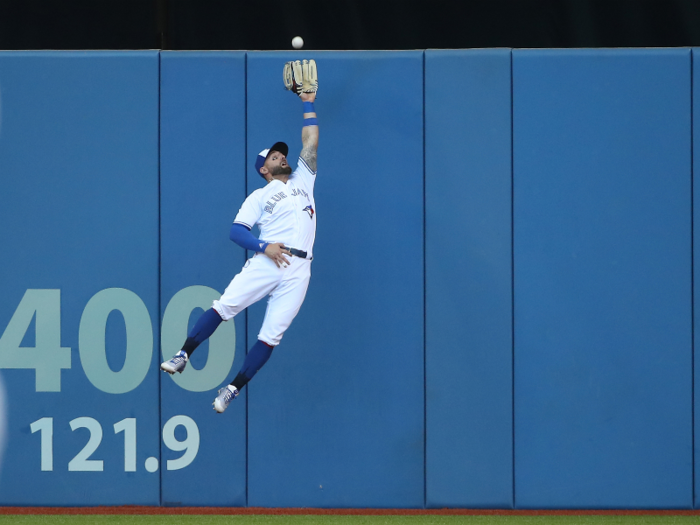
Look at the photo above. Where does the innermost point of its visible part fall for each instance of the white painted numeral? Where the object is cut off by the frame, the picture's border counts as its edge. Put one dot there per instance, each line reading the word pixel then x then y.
pixel 81 462
pixel 139 340
pixel 222 344
pixel 190 445
pixel 45 426
pixel 47 357
pixel 128 426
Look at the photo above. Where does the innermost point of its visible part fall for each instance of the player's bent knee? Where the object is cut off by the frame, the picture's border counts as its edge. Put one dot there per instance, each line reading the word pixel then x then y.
pixel 270 340
pixel 224 312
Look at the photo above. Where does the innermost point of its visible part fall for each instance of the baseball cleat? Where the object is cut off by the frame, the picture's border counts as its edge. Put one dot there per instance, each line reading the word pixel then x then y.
pixel 176 364
pixel 224 398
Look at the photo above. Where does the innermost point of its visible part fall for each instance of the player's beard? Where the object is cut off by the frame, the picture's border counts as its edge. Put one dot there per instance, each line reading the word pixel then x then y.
pixel 279 170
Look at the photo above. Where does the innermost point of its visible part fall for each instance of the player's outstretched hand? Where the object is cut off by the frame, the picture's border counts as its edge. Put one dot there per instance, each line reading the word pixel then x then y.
pixel 276 251
pixel 301 77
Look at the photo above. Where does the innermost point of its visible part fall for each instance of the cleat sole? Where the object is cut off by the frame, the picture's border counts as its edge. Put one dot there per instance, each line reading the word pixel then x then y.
pixel 169 372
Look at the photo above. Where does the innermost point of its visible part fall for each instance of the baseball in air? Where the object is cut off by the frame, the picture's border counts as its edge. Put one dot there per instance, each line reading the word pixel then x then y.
pixel 297 42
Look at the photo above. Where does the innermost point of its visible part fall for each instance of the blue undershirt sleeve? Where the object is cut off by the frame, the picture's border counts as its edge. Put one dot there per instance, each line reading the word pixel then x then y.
pixel 242 237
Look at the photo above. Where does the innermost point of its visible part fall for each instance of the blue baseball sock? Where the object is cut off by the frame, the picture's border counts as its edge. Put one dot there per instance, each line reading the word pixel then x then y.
pixel 202 330
pixel 254 361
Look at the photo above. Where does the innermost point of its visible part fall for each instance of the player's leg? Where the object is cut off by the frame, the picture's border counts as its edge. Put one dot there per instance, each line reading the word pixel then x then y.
pixel 255 281
pixel 282 307
pixel 256 357
pixel 201 331
pixel 285 303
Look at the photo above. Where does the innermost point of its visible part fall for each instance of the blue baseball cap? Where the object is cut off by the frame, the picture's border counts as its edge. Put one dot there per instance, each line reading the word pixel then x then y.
pixel 262 156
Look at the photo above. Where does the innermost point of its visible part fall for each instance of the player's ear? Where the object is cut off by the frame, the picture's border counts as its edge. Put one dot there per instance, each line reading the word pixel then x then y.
pixel 264 171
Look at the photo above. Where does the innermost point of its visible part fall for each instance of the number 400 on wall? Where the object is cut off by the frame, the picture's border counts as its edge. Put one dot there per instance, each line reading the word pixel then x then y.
pixel 47 358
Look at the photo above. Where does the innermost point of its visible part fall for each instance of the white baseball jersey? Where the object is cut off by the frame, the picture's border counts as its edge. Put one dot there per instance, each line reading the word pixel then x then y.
pixel 285 213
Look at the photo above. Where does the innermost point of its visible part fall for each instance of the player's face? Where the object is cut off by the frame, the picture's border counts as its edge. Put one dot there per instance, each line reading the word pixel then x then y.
pixel 276 164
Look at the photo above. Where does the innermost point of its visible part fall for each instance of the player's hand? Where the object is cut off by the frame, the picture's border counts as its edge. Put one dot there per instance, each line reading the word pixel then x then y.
pixel 307 97
pixel 276 251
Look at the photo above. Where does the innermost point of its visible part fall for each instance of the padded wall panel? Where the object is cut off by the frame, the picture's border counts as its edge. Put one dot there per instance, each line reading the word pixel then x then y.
pixel 469 449
pixel 696 244
pixel 603 375
pixel 336 416
pixel 79 277
pixel 202 187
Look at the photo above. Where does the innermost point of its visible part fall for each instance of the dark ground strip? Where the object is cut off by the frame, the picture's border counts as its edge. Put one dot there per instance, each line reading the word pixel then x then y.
pixel 135 509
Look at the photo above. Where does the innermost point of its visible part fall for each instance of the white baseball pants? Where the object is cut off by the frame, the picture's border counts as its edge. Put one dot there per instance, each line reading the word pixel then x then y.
pixel 259 277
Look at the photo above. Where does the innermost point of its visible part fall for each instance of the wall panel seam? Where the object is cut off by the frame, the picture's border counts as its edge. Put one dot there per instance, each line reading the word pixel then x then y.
pixel 512 269
pixel 692 285
pixel 160 285
pixel 245 254
pixel 425 327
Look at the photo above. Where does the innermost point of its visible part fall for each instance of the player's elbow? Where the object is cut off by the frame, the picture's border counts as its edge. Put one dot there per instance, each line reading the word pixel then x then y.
pixel 236 232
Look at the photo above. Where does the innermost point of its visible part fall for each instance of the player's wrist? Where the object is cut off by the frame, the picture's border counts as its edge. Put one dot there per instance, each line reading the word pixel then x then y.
pixel 309 107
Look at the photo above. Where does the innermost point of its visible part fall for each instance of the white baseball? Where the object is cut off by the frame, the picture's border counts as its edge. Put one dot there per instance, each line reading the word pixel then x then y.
pixel 297 42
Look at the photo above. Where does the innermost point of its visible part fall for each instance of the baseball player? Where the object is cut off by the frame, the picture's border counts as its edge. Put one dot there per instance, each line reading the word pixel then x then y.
pixel 285 212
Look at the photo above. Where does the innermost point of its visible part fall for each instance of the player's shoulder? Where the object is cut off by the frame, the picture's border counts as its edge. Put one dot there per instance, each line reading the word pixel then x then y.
pixel 303 174
pixel 303 166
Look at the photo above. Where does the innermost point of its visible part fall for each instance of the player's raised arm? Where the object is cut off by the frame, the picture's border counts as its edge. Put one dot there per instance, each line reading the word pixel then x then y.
pixel 309 133
pixel 301 78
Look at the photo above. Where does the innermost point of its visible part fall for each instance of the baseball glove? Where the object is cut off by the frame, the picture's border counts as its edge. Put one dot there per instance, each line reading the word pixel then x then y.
pixel 300 76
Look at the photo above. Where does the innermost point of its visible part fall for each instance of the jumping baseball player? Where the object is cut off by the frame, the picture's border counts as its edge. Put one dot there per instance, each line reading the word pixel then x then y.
pixel 285 212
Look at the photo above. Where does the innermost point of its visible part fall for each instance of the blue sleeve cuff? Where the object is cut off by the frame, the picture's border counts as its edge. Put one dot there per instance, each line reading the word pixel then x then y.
pixel 241 235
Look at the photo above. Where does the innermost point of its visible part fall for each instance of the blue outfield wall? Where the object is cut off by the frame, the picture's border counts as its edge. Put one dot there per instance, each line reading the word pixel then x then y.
pixel 336 417
pixel 696 261
pixel 501 305
pixel 202 151
pixel 79 277
pixel 469 346
pixel 603 299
